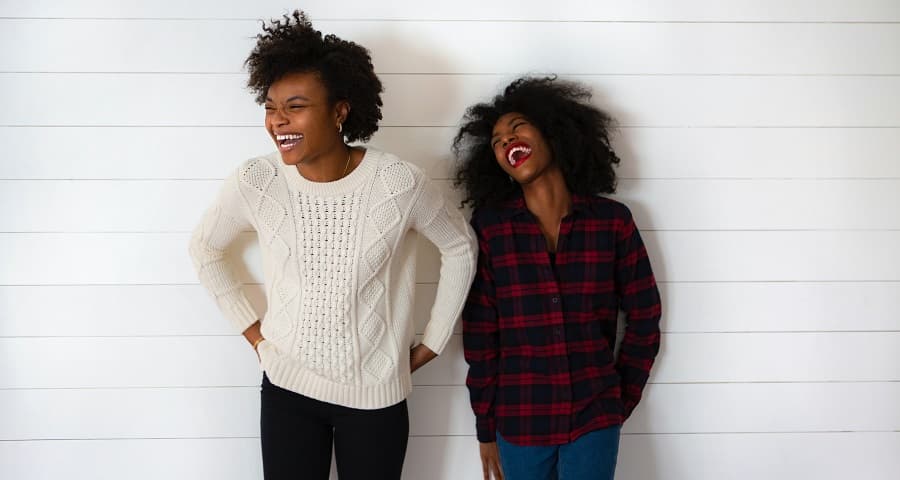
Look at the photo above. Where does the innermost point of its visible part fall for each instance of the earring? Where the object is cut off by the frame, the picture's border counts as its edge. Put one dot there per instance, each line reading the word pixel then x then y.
pixel 340 128
pixel 511 179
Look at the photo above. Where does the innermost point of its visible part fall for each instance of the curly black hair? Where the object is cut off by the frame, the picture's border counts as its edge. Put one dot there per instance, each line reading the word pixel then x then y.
pixel 292 45
pixel 577 132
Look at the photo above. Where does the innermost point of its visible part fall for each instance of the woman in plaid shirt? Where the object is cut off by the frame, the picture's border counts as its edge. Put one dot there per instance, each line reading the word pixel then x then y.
pixel 556 263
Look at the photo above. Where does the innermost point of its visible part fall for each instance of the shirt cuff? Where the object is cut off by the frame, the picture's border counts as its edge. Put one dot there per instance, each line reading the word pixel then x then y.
pixel 486 427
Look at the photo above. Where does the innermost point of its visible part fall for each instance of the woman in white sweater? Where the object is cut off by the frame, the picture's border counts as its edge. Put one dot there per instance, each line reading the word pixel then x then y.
pixel 337 229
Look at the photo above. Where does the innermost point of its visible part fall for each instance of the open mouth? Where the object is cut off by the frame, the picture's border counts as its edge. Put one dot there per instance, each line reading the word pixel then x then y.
pixel 287 141
pixel 517 154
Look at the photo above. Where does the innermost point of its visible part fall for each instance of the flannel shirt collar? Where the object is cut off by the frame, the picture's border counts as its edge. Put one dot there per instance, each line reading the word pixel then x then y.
pixel 516 205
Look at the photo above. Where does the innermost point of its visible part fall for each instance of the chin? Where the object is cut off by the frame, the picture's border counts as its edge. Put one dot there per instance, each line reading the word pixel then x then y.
pixel 525 177
pixel 290 158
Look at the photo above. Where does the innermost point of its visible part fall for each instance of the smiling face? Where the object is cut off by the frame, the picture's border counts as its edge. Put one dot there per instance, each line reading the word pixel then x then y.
pixel 520 148
pixel 301 120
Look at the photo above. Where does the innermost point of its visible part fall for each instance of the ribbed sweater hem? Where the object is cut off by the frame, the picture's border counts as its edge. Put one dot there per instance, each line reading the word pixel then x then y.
pixel 290 375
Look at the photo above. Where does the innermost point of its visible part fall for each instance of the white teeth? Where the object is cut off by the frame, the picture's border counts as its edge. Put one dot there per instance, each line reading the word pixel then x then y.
pixel 510 157
pixel 288 137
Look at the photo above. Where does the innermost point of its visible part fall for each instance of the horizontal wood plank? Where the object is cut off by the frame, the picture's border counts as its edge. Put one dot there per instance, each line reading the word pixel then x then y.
pixel 177 206
pixel 99 310
pixel 825 456
pixel 227 361
pixel 231 411
pixel 522 10
pixel 213 152
pixel 219 46
pixel 677 256
pixel 35 99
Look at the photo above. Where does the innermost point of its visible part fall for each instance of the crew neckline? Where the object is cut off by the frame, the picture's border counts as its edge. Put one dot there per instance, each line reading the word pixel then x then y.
pixel 340 186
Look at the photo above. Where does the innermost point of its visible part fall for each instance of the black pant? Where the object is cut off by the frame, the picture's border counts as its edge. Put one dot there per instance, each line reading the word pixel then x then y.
pixel 297 433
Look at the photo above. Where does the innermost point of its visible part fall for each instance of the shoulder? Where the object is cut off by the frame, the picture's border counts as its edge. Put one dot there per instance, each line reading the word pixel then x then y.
pixel 605 208
pixel 390 164
pixel 396 175
pixel 258 172
pixel 487 219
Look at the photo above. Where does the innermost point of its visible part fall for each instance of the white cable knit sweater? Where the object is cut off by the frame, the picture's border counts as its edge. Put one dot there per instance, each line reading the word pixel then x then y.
pixel 339 261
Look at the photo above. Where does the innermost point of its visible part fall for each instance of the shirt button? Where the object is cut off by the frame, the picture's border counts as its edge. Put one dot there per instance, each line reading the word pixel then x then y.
pixel 555 300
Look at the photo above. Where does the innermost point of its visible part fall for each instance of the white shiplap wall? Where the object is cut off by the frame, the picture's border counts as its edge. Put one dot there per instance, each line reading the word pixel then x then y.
pixel 761 147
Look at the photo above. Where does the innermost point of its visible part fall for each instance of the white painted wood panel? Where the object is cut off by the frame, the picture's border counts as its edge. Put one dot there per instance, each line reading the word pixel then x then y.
pixel 780 354
pixel 762 204
pixel 782 357
pixel 115 310
pixel 787 306
pixel 115 205
pixel 677 256
pixel 219 46
pixel 230 412
pixel 176 206
pixel 227 361
pixel 182 152
pixel 766 407
pixel 774 256
pixel 440 100
pixel 758 152
pixel 130 413
pixel 212 152
pixel 99 310
pixel 138 153
pixel 104 205
pixel 78 259
pixel 826 456
pixel 143 459
pixel 128 362
pixel 523 10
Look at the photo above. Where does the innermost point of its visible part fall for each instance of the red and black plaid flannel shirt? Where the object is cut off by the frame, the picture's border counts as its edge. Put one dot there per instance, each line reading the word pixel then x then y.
pixel 539 342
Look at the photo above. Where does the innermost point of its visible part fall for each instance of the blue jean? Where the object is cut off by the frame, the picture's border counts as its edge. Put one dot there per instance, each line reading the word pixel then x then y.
pixel 591 457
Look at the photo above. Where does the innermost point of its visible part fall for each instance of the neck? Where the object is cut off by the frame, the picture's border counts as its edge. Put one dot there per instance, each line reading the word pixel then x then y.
pixel 547 197
pixel 328 166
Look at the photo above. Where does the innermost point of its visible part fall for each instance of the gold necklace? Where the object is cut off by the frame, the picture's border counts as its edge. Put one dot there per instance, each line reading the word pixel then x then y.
pixel 349 153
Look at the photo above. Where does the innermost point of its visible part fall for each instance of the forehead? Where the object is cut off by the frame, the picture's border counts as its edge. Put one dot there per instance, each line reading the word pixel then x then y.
pixel 505 121
pixel 305 84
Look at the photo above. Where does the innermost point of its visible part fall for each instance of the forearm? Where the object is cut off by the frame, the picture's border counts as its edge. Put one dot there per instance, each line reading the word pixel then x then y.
pixel 222 225
pixel 458 248
pixel 482 355
pixel 640 346
pixel 253 334
pixel 639 298
pixel 419 356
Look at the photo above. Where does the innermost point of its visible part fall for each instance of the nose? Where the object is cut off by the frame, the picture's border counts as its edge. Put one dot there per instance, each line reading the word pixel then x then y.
pixel 507 139
pixel 278 117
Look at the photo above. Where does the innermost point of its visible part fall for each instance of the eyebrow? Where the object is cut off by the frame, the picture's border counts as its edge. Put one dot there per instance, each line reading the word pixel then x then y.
pixel 295 97
pixel 509 122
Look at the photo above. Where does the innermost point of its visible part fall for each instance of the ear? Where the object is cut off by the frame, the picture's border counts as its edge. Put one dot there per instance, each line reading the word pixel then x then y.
pixel 341 111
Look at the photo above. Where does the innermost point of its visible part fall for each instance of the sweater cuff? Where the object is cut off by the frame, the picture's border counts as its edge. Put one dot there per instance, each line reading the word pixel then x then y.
pixel 486 428
pixel 241 313
pixel 437 335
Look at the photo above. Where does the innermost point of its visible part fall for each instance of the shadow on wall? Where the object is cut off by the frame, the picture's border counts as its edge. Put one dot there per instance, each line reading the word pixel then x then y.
pixel 637 458
pixel 441 104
